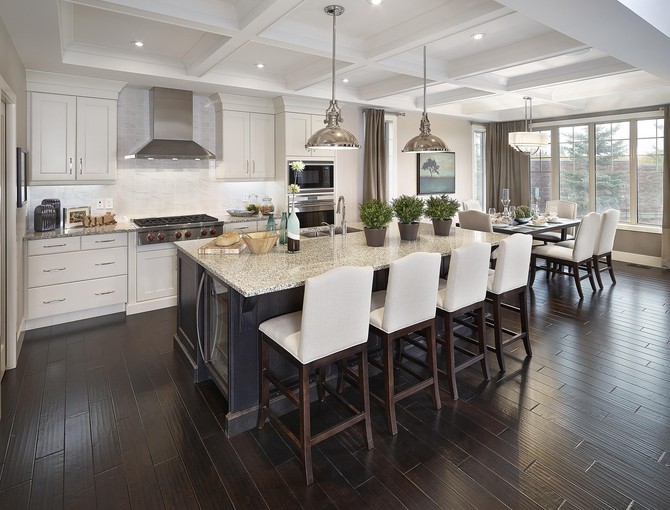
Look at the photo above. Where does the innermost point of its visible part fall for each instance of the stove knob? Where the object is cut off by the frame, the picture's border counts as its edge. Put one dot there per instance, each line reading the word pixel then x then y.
pixel 187 234
pixel 212 231
pixel 161 237
pixel 150 237
pixel 203 232
pixel 177 235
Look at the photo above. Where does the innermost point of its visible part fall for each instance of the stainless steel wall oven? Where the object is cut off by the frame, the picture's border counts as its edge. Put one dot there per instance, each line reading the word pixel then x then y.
pixel 315 204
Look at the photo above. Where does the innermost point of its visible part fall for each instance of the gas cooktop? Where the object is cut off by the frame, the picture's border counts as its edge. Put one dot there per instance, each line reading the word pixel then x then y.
pixel 169 229
pixel 186 219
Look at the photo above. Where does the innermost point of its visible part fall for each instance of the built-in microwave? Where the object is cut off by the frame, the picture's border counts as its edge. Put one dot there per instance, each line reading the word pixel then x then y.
pixel 317 176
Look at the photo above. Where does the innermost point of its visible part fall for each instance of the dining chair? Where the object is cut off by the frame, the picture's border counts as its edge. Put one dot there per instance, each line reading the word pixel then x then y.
pixel 509 281
pixel 475 220
pixel 332 325
pixel 464 292
pixel 576 258
pixel 602 253
pixel 472 204
pixel 406 306
pixel 565 209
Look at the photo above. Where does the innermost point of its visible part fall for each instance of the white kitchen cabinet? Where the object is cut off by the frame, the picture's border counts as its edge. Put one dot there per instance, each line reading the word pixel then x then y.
pixel 73 139
pixel 248 146
pixel 299 127
pixel 71 274
pixel 156 275
pixel 244 226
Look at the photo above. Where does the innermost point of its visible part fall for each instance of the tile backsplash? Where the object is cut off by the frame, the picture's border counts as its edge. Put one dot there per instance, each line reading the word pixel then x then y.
pixel 160 187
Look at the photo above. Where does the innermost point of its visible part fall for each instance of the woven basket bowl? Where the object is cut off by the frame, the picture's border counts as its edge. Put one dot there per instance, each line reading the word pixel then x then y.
pixel 260 242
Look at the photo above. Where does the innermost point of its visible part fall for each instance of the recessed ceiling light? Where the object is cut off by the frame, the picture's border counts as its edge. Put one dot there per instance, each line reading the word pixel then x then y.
pixel 260 66
pixel 375 2
pixel 345 80
pixel 478 36
pixel 138 44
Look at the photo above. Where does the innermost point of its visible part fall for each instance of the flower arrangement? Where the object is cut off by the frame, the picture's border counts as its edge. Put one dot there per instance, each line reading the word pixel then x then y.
pixel 297 166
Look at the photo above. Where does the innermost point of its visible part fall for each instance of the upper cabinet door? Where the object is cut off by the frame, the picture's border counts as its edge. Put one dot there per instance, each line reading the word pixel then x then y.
pixel 96 139
pixel 236 160
pixel 53 137
pixel 262 148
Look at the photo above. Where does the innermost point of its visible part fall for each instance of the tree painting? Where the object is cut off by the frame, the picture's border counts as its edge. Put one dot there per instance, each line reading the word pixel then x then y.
pixel 436 173
pixel 431 167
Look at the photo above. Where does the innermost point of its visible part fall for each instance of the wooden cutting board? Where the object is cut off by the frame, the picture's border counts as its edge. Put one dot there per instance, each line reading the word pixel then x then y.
pixel 211 249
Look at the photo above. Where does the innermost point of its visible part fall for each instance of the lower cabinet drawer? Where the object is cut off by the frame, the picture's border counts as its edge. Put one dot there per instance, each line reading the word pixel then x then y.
pixel 72 297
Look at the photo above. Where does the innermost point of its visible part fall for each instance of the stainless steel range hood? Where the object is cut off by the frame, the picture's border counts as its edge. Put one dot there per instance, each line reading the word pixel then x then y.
pixel 171 128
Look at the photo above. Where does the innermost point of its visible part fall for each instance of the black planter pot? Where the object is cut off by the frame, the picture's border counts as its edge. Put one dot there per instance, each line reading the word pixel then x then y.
pixel 441 227
pixel 375 236
pixel 408 231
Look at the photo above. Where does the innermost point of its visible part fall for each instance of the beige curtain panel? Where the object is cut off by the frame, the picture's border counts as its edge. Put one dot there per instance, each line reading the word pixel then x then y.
pixel 505 167
pixel 665 240
pixel 374 158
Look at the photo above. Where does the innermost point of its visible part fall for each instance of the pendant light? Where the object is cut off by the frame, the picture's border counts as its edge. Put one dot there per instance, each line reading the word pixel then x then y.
pixel 333 136
pixel 528 142
pixel 424 141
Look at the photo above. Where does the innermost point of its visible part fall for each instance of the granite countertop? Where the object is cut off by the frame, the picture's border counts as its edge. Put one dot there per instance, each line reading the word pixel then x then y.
pixel 253 275
pixel 31 235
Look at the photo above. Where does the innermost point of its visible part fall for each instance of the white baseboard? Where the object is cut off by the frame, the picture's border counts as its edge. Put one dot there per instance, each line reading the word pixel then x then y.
pixel 52 320
pixel 634 258
pixel 153 304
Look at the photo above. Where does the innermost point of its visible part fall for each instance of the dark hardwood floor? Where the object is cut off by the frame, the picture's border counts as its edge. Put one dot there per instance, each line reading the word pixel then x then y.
pixel 101 414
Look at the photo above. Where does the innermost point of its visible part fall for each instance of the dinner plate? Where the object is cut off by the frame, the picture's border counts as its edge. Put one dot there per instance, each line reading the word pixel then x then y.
pixel 554 221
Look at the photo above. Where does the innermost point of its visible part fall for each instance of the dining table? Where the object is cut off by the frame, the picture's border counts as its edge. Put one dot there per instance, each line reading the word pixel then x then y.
pixel 562 224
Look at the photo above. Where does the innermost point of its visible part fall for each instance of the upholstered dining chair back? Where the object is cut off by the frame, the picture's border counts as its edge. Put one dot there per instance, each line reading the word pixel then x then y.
pixel 472 204
pixel 475 220
pixel 585 239
pixel 336 312
pixel 609 220
pixel 467 277
pixel 565 208
pixel 411 292
pixel 513 263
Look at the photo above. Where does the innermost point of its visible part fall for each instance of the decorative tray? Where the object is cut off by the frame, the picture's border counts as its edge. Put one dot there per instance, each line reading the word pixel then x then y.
pixel 241 212
pixel 212 249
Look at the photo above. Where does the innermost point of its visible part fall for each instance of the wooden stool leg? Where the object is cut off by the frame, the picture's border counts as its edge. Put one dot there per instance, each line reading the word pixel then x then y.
pixel 305 427
pixel 365 395
pixel 531 277
pixel 608 258
pixel 320 383
pixel 497 331
pixel 596 269
pixel 341 367
pixel 451 355
pixel 589 270
pixel 578 283
pixel 389 383
pixel 481 336
pixel 523 317
pixel 432 364
pixel 264 390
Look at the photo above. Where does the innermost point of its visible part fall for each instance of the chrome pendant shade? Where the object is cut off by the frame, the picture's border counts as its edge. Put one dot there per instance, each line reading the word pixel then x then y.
pixel 528 142
pixel 333 136
pixel 425 141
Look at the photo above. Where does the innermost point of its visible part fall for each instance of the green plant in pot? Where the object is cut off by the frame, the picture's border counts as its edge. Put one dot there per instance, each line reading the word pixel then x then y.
pixel 408 209
pixel 522 214
pixel 375 215
pixel 441 209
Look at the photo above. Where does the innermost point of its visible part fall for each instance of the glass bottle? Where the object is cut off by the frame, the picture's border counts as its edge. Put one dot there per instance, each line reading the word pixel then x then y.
pixel 293 231
pixel 270 226
pixel 283 224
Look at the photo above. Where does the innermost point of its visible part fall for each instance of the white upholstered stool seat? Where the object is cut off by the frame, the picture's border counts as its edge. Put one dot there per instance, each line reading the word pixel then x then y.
pixel 333 325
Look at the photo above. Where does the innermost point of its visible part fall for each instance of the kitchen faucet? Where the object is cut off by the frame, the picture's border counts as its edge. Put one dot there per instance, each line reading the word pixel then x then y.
pixel 340 201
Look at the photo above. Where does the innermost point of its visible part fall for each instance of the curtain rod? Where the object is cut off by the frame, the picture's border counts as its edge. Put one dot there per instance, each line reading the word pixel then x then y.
pixel 399 114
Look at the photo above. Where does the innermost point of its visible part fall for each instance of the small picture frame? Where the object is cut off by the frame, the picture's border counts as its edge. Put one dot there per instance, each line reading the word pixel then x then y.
pixel 74 216
pixel 435 173
pixel 21 177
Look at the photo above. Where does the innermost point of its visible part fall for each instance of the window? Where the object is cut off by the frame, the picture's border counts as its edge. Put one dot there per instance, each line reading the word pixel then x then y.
pixel 540 171
pixel 573 148
pixel 649 173
pixel 479 164
pixel 612 159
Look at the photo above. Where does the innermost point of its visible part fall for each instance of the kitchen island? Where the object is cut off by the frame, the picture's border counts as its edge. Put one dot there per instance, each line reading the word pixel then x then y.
pixel 223 298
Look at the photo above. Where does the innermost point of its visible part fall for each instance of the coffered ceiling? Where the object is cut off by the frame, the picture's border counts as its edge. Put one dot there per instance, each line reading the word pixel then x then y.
pixel 571 56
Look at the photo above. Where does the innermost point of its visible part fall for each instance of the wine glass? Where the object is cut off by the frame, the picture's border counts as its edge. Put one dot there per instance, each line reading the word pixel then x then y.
pixel 552 212
pixel 492 212
pixel 511 215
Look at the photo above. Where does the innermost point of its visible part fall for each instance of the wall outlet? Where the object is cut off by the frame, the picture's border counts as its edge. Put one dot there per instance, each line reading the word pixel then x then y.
pixel 101 204
pixel 109 203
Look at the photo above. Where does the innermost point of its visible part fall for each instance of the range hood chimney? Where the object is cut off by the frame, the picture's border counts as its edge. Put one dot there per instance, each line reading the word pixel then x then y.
pixel 171 128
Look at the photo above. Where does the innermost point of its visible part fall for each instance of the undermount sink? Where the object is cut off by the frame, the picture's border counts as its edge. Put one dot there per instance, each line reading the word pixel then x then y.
pixel 324 233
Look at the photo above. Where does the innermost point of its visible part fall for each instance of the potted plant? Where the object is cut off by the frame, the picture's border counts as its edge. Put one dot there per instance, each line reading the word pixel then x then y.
pixel 441 209
pixel 522 214
pixel 408 209
pixel 375 215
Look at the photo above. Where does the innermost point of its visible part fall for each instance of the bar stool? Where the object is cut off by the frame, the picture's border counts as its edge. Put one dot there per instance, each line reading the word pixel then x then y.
pixel 464 292
pixel 332 325
pixel 406 306
pixel 510 280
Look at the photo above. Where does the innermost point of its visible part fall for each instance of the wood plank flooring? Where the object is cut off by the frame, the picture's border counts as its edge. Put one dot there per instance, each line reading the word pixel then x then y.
pixel 101 414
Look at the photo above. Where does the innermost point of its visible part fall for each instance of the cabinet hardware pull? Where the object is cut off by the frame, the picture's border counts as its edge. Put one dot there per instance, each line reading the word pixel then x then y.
pixel 54 301
pixel 247 163
pixel 104 263
pixel 53 245
pixel 70 166
pixel 81 164
pixel 253 166
pixel 54 269
pixel 106 241
pixel 104 293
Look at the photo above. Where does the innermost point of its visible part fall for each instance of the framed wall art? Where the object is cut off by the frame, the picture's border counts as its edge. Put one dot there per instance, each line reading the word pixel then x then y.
pixel 21 177
pixel 74 216
pixel 435 173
